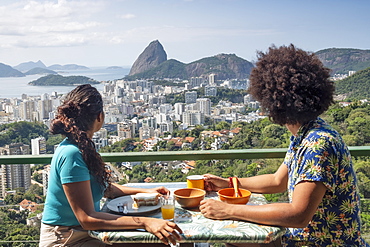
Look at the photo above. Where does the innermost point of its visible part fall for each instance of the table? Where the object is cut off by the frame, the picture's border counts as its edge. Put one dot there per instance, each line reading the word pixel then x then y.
pixel 197 228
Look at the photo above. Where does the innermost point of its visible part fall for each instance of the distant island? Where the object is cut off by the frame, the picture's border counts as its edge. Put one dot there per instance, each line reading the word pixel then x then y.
pixel 115 67
pixel 38 71
pixel 58 80
pixel 68 67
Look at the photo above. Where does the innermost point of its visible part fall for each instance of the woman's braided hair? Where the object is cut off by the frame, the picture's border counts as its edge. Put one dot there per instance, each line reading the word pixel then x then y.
pixel 75 116
pixel 292 85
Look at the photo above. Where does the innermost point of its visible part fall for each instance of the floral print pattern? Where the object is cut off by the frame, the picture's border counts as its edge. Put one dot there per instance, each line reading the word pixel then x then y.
pixel 318 153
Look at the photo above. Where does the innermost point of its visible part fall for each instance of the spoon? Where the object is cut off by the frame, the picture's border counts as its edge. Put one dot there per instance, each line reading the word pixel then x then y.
pixel 236 186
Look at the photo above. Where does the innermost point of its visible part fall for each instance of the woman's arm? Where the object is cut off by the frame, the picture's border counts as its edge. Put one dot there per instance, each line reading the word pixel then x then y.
pixel 80 199
pixel 116 190
pixel 306 198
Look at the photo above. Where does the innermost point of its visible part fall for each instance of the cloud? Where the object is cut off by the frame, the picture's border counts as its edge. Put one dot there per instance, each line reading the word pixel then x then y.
pixel 127 16
pixel 29 23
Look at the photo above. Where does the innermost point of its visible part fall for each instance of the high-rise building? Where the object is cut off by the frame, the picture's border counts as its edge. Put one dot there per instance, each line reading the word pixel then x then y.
pixel 16 175
pixel 150 122
pixel 26 108
pixel 212 79
pixel 165 108
pixel 124 130
pixel 100 138
pixel 210 91
pixel 192 118
pixel 38 146
pixel 179 109
pixel 204 106
pixel 146 132
pixel 190 97
pixel 196 82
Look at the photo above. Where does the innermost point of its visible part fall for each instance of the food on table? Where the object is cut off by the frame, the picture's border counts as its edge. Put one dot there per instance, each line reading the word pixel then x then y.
pixel 146 199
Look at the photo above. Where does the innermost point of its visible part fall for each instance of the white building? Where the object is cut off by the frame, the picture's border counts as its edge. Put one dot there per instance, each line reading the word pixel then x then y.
pixel 192 118
pixel 204 106
pixel 212 79
pixel 38 145
pixel 26 108
pixel 179 110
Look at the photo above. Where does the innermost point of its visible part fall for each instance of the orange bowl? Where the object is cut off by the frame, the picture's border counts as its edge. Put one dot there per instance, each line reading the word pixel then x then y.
pixel 227 195
pixel 189 197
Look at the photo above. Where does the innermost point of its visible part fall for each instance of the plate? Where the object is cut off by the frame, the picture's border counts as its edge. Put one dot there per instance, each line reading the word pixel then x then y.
pixel 128 200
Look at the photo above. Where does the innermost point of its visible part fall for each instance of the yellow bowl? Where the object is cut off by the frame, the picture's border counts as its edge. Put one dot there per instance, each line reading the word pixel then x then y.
pixel 189 197
pixel 227 195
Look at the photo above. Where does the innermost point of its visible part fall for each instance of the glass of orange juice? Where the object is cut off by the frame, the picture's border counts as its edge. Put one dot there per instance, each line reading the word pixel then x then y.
pixel 168 207
pixel 195 181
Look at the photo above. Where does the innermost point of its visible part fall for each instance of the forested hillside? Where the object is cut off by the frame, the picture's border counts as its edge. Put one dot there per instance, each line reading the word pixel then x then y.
pixel 342 60
pixel 23 132
pixel 355 87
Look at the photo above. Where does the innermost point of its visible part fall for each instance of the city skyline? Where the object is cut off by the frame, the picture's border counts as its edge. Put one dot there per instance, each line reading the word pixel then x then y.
pixel 115 32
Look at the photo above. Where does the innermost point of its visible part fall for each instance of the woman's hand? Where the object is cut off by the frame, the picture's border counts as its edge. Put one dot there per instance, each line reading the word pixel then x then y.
pixel 214 209
pixel 161 190
pixel 166 231
pixel 214 183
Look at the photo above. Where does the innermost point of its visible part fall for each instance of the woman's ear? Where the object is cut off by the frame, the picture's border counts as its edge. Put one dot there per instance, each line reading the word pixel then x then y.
pixel 100 117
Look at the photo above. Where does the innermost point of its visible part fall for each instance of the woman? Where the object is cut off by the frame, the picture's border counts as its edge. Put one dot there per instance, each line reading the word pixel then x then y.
pixel 78 180
pixel 294 88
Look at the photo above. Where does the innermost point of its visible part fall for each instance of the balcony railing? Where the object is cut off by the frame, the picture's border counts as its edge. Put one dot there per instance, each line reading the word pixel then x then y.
pixel 172 155
pixel 176 155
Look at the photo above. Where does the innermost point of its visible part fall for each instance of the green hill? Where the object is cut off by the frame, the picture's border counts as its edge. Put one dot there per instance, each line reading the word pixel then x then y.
pixel 168 69
pixel 342 60
pixel 58 80
pixel 356 86
pixel 225 66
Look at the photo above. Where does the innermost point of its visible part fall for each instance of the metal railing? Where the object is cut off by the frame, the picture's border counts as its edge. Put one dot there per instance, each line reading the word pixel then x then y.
pixel 176 155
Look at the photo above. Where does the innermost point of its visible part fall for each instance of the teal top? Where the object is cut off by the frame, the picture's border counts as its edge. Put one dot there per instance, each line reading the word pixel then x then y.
pixel 67 166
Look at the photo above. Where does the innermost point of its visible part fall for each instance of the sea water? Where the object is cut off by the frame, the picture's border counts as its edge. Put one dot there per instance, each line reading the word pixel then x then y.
pixel 14 87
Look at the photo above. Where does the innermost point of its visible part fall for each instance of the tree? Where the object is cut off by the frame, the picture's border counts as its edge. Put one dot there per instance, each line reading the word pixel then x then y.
pixel 223 126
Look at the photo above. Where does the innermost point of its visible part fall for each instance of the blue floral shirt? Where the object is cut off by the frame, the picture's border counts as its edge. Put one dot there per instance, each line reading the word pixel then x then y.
pixel 318 153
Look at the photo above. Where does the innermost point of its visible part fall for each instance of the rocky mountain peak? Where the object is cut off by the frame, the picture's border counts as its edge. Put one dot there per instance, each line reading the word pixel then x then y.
pixel 152 56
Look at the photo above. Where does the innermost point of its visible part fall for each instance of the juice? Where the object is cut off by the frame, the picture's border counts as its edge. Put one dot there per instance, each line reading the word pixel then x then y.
pixel 195 181
pixel 168 212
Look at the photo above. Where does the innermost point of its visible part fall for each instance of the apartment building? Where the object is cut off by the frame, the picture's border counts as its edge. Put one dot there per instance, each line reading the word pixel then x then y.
pixel 14 176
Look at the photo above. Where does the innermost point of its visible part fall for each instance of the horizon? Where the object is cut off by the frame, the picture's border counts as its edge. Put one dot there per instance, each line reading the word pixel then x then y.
pixel 115 32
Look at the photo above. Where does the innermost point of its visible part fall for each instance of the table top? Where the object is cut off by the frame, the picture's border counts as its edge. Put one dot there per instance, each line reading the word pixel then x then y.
pixel 196 227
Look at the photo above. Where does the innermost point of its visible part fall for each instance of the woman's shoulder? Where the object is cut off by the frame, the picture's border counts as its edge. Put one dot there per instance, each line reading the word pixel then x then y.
pixel 67 148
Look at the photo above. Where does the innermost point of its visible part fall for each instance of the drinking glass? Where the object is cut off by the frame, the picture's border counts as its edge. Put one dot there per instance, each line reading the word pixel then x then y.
pixel 195 181
pixel 168 207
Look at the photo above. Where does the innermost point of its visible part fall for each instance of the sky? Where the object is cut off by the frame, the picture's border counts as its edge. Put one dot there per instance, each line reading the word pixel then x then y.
pixel 98 33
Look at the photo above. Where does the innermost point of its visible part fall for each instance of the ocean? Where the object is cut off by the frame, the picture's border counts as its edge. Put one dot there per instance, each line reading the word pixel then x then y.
pixel 14 87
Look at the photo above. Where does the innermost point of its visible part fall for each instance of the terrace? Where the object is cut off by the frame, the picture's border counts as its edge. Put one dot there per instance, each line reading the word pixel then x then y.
pixel 356 151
